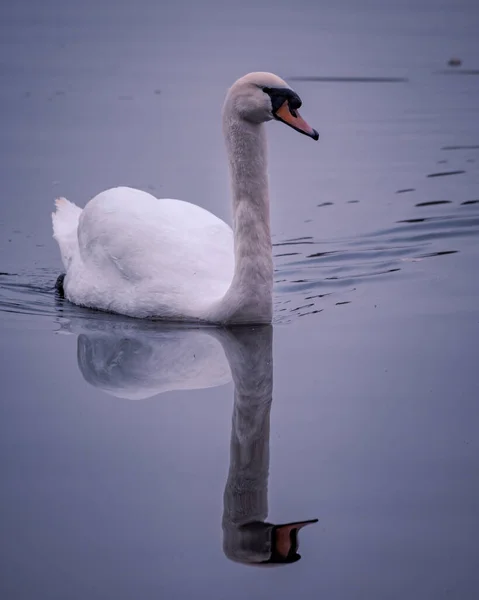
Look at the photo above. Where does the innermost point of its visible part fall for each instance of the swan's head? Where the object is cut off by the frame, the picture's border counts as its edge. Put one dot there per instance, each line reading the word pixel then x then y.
pixel 261 97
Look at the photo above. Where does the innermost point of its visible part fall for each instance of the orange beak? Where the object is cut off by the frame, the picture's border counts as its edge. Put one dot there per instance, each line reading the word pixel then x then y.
pixel 292 118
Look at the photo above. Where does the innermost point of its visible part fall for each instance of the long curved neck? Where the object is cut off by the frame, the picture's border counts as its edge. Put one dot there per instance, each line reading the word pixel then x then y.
pixel 249 299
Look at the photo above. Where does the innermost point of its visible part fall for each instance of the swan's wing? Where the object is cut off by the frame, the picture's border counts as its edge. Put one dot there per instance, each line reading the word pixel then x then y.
pixel 164 248
pixel 65 225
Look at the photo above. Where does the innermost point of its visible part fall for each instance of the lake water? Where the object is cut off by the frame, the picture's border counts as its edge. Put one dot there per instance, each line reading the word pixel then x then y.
pixel 149 461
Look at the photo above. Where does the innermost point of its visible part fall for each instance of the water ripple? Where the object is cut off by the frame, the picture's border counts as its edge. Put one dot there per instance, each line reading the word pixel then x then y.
pixel 310 274
pixel 340 267
pixel 34 294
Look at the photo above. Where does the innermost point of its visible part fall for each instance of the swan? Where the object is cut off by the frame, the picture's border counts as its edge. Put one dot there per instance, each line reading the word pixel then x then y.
pixel 130 253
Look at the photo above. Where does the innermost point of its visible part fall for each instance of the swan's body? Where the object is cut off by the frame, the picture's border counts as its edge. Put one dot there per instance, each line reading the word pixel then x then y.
pixel 133 254
pixel 130 253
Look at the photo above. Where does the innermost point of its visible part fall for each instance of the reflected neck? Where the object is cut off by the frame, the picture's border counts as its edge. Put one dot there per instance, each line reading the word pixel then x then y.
pixel 250 355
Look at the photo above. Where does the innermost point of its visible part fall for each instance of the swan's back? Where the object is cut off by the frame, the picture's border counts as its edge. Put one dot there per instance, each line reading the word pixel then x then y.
pixel 142 256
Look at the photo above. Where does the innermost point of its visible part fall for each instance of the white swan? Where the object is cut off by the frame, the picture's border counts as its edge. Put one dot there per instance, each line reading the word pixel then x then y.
pixel 130 253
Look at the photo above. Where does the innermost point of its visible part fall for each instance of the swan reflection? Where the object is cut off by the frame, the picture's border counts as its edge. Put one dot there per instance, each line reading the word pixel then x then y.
pixel 137 362
pixel 247 536
pixel 141 361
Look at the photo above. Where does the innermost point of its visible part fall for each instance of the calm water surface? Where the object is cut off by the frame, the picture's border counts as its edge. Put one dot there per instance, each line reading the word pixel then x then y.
pixel 149 461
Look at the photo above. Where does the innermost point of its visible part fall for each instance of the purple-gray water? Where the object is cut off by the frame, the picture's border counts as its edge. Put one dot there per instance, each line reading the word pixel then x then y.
pixel 141 460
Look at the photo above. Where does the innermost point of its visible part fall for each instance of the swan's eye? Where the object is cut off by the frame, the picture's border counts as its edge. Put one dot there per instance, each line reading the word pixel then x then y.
pixel 267 90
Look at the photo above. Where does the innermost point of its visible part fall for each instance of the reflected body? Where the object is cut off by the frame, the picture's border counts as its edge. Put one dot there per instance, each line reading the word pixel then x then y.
pixel 129 362
pixel 136 363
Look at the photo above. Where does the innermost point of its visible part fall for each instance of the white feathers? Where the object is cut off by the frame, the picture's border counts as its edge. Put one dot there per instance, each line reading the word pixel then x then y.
pixel 140 256
pixel 133 254
pixel 65 225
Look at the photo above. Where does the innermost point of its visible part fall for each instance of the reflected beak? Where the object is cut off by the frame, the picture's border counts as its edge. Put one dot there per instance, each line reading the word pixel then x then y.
pixel 292 118
pixel 286 537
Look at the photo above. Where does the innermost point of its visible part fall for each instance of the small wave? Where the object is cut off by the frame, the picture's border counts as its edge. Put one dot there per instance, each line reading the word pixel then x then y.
pixel 445 173
pixel 30 294
pixel 34 294
pixel 339 267
pixel 458 72
pixel 310 274
pixel 472 147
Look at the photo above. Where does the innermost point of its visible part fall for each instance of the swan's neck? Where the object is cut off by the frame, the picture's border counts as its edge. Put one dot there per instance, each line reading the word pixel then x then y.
pixel 249 298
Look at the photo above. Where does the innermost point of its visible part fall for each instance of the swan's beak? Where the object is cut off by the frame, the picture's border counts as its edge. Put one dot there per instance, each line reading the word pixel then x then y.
pixel 292 118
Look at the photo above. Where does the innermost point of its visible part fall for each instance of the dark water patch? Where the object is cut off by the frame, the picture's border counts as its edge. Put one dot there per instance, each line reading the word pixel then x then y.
pixel 286 254
pixel 468 202
pixel 333 283
pixel 343 302
pixel 412 220
pixel 292 243
pixel 298 239
pixel 362 275
pixel 334 79
pixel 311 312
pixel 436 235
pixel 434 203
pixel 445 173
pixel 458 72
pixel 318 254
pixel 431 228
pixel 324 204
pixel 353 201
pixel 439 253
pixel 353 256
pixel 318 296
pixel 405 190
pixel 308 239
pixel 473 147
pixel 300 307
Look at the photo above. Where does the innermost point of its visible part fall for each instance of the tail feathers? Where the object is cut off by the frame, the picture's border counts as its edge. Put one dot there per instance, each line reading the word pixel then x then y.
pixel 65 226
